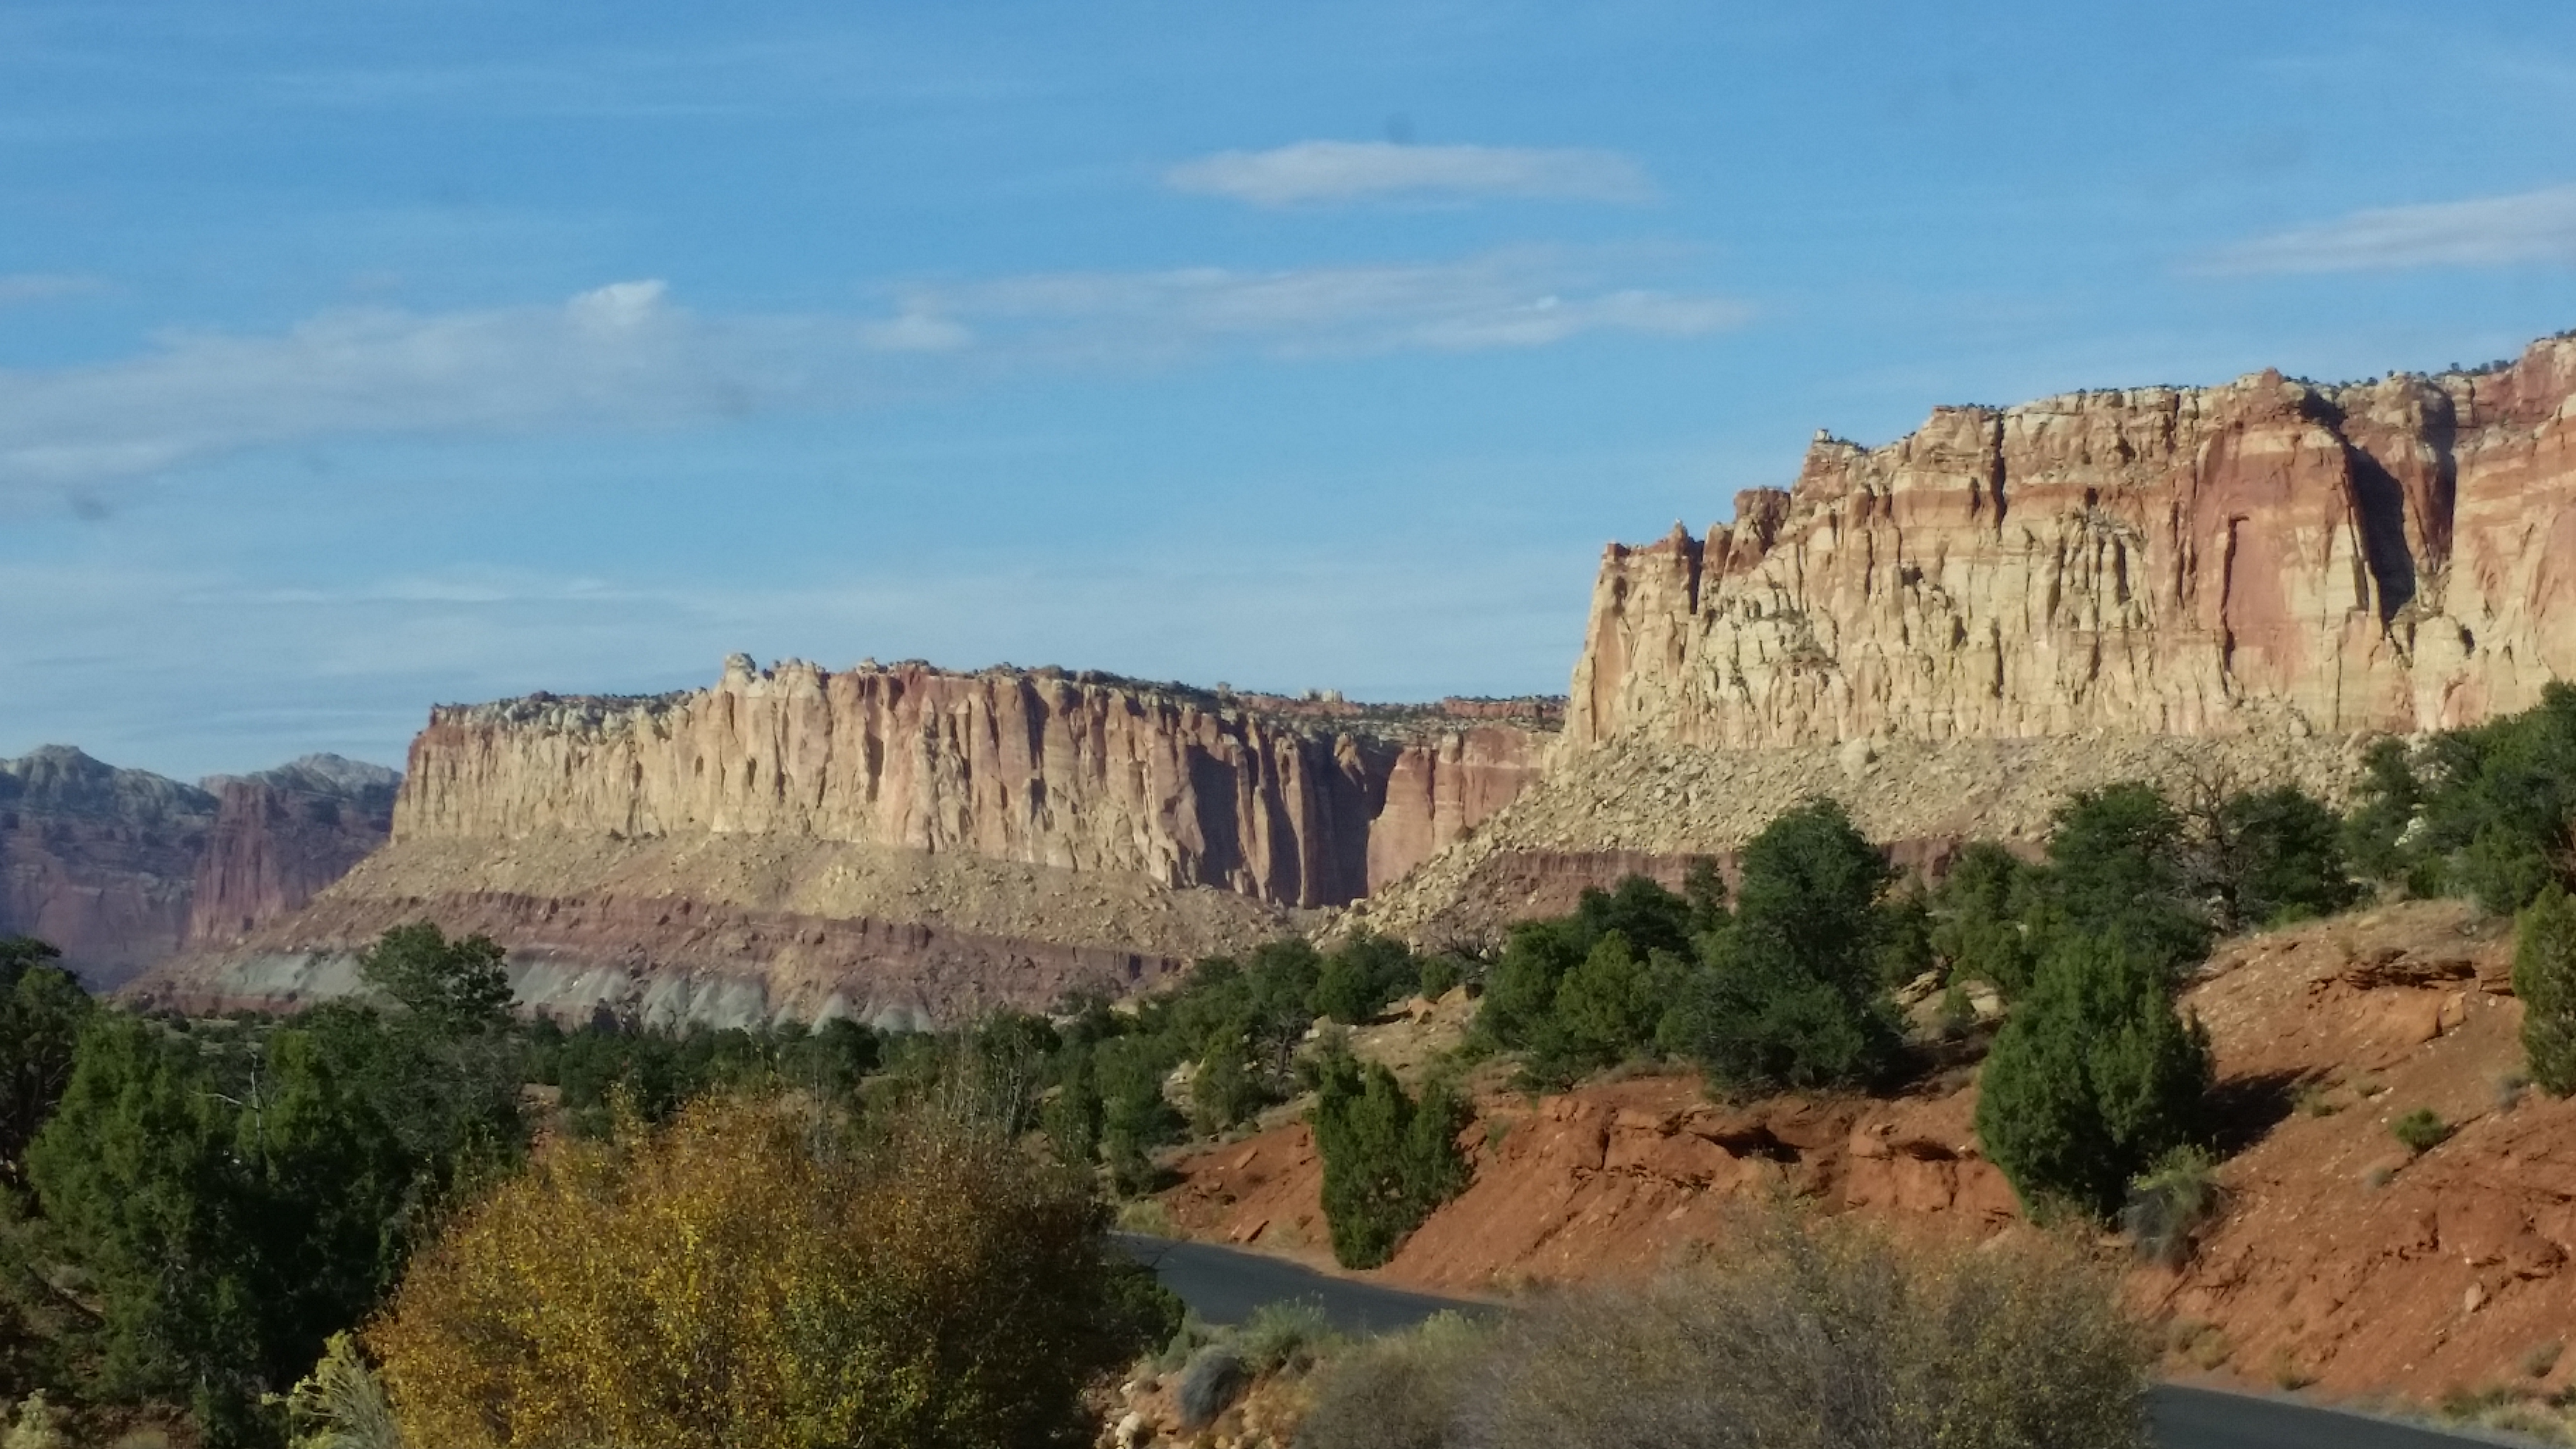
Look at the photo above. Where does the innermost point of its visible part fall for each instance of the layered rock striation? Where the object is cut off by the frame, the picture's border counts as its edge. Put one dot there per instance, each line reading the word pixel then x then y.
pixel 900 844
pixel 120 869
pixel 281 836
pixel 101 862
pixel 1291 803
pixel 2390 556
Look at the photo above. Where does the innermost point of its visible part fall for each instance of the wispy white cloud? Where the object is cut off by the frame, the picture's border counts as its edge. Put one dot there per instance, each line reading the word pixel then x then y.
pixel 2494 231
pixel 1503 299
pixel 625 357
pixel 18 287
pixel 1325 172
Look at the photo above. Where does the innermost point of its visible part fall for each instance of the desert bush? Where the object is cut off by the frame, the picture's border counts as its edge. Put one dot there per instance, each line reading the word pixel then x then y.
pixel 1388 1159
pixel 2275 856
pixel 2421 1130
pixel 34 1424
pixel 2120 867
pixel 1977 918
pixel 1521 990
pixel 2094 1077
pixel 1361 975
pixel 1441 974
pixel 2170 1202
pixel 1215 1377
pixel 2544 977
pixel 342 1404
pixel 747 1277
pixel 1790 997
pixel 1284 1336
pixel 1402 1391
pixel 1827 1337
pixel 2487 812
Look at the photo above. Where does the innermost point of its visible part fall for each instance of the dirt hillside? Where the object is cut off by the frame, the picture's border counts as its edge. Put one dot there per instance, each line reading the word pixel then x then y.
pixel 2341 1259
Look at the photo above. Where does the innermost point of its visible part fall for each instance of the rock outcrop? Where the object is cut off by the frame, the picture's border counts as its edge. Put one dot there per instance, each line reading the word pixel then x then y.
pixel 2269 553
pixel 900 844
pixel 120 869
pixel 281 836
pixel 101 862
pixel 1297 807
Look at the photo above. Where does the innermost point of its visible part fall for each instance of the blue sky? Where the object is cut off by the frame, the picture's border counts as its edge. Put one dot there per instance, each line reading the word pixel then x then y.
pixel 363 355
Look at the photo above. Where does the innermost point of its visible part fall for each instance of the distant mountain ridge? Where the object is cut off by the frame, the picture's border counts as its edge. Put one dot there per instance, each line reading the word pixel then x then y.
pixel 123 868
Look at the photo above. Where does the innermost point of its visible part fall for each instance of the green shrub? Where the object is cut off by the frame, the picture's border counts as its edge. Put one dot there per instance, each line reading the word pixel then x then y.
pixel 2384 810
pixel 2169 1203
pixel 1137 1308
pixel 1285 1336
pixel 1828 1338
pixel 1225 1091
pixel 42 1009
pixel 342 1404
pixel 2119 869
pixel 2421 1130
pixel 1389 1161
pixel 1362 975
pixel 2093 1078
pixel 1790 995
pixel 2544 977
pixel 2277 856
pixel 1607 1008
pixel 1441 974
pixel 1520 992
pixel 1977 918
pixel 2485 812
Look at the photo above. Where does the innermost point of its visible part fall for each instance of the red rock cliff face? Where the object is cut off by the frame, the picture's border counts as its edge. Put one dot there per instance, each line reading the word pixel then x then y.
pixel 2393 556
pixel 98 861
pixel 1291 806
pixel 280 837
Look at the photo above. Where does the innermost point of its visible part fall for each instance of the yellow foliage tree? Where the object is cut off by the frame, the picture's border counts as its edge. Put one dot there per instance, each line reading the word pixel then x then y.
pixel 723 1282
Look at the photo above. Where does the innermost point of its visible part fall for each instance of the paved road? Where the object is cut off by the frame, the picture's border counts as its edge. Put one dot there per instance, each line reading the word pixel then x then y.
pixel 1224 1285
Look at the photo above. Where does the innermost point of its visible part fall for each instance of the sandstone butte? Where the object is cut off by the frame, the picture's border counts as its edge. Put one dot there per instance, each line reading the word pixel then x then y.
pixel 1949 632
pixel 899 842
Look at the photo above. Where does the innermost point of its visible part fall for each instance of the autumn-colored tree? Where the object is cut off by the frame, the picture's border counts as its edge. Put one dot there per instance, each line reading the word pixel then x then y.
pixel 747 1277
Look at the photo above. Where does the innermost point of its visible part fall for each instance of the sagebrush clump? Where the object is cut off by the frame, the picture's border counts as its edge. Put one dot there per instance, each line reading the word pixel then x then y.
pixel 1821 1336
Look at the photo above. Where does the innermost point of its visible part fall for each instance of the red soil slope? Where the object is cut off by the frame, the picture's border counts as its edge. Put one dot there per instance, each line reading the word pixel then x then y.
pixel 2341 1259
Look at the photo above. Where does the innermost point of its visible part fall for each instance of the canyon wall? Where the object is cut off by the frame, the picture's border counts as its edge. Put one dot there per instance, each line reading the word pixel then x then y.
pixel 899 844
pixel 1291 803
pixel 119 869
pixel 2389 556
pixel 281 836
pixel 101 862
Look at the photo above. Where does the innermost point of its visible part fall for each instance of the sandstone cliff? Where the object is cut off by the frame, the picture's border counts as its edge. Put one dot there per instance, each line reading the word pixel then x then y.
pixel 281 836
pixel 1292 803
pixel 900 844
pixel 2384 556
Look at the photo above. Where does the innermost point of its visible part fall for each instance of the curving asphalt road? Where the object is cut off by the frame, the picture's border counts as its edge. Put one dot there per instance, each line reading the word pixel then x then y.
pixel 1224 1285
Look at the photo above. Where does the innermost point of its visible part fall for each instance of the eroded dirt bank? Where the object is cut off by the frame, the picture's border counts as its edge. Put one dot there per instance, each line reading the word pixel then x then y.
pixel 2341 1259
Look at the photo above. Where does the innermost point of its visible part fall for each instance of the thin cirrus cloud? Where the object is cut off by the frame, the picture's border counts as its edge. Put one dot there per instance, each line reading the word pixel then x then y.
pixel 1515 299
pixel 1319 173
pixel 17 287
pixel 624 356
pixel 2493 231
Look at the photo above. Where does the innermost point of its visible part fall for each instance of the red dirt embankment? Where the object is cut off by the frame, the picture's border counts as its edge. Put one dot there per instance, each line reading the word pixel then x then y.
pixel 2341 1259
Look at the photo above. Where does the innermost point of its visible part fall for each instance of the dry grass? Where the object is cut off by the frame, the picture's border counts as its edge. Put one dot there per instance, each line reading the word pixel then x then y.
pixel 1820 1336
